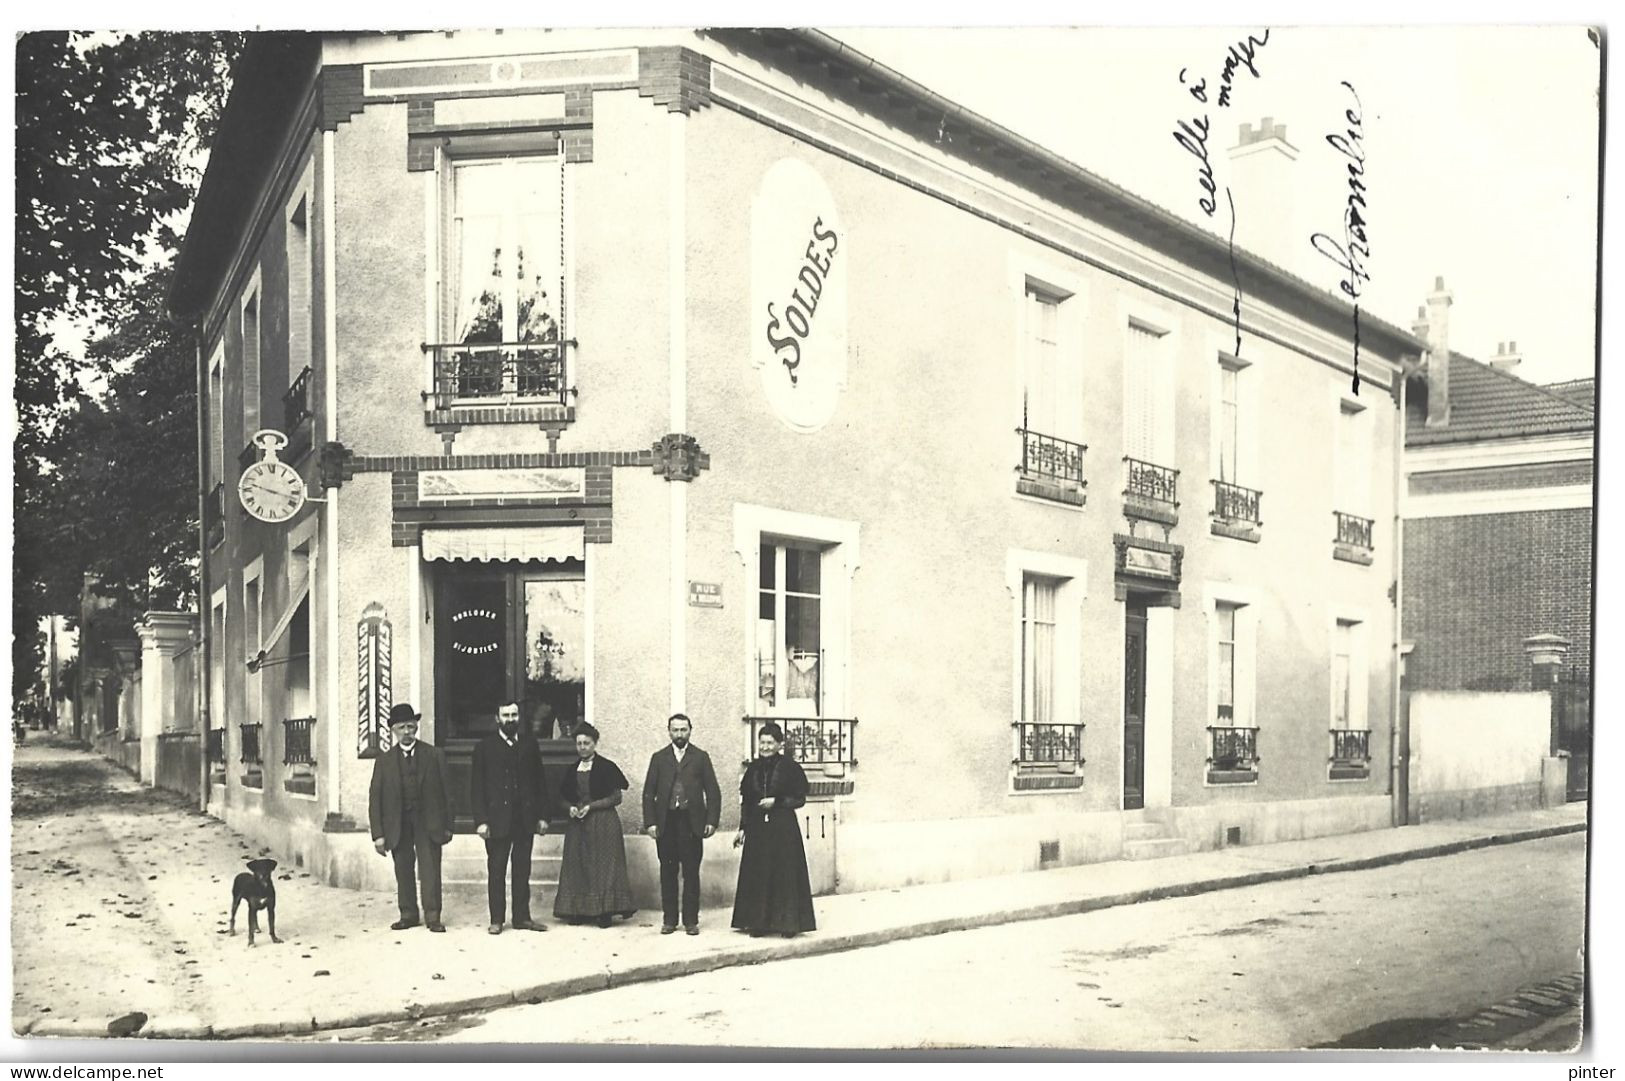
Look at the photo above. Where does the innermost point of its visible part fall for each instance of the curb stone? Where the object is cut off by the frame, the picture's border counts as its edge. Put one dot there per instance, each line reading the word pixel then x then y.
pixel 183 1026
pixel 70 1028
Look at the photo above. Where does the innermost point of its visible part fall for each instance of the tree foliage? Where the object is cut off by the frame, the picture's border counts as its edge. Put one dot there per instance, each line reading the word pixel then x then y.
pixel 109 136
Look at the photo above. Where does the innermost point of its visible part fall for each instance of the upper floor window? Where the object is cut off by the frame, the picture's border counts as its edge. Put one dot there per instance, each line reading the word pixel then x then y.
pixel 1051 461
pixel 1038 594
pixel 505 250
pixel 790 646
pixel 217 418
pixel 251 364
pixel 1229 422
pixel 1224 631
pixel 1353 482
pixel 1049 385
pixel 1147 396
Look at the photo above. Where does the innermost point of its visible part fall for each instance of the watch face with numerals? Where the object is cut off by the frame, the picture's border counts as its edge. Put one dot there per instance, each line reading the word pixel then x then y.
pixel 271 491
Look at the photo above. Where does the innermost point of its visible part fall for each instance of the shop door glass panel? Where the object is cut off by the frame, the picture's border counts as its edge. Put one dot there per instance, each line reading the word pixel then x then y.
pixel 555 655
pixel 472 646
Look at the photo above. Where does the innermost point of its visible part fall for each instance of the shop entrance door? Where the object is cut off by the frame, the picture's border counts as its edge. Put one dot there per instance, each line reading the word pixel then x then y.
pixel 1134 705
pixel 507 632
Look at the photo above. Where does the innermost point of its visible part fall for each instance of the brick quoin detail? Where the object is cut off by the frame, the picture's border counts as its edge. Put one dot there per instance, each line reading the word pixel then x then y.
pixel 341 94
pixel 1477 585
pixel 678 78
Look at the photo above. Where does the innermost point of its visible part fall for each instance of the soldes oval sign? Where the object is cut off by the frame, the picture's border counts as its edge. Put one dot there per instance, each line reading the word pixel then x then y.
pixel 799 259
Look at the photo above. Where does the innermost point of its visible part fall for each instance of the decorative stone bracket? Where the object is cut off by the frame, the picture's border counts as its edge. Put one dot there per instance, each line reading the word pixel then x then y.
pixel 334 465
pixel 679 457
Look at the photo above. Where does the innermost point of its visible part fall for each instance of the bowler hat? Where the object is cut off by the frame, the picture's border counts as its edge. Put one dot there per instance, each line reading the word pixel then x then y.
pixel 403 714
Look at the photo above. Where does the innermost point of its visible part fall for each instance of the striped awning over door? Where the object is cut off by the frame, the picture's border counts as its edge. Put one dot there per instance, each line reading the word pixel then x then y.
pixel 547 544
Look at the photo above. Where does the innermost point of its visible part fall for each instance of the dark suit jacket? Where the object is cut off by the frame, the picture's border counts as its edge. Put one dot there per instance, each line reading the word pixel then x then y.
pixel 699 784
pixel 384 799
pixel 506 779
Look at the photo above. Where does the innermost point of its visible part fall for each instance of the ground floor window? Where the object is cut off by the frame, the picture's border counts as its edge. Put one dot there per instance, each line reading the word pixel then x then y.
pixel 1232 731
pixel 798 658
pixel 1047 719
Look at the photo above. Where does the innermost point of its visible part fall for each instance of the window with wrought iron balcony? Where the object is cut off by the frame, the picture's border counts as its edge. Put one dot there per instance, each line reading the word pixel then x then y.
pixel 826 747
pixel 1352 541
pixel 1235 509
pixel 1150 491
pixel 1232 752
pixel 505 355
pixel 252 755
pixel 298 754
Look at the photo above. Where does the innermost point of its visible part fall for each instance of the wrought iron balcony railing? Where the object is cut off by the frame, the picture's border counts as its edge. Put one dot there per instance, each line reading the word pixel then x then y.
pixel 296 407
pixel 499 371
pixel 1231 748
pixel 214 745
pixel 814 741
pixel 1351 745
pixel 1233 503
pixel 1353 530
pixel 1048 744
pixel 297 738
pixel 1051 457
pixel 251 752
pixel 1146 480
pixel 214 515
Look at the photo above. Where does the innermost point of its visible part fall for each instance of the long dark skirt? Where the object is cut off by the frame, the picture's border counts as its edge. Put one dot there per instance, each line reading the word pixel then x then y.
pixel 592 879
pixel 774 893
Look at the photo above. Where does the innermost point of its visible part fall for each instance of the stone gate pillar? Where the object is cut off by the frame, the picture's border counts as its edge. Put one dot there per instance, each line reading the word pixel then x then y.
pixel 163 635
pixel 1546 653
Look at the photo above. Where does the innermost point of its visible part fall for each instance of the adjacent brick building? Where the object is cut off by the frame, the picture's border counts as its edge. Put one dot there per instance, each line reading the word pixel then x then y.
pixel 1498 520
pixel 733 373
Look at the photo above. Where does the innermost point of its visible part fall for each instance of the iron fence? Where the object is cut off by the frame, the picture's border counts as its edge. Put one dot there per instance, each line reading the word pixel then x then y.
pixel 296 408
pixel 533 371
pixel 297 741
pixel 814 741
pixel 1147 480
pixel 1353 530
pixel 214 515
pixel 251 751
pixel 1048 744
pixel 1233 503
pixel 1231 748
pixel 1351 745
pixel 1052 457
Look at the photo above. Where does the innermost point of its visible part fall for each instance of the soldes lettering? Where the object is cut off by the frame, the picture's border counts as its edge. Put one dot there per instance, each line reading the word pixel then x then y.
pixel 797 317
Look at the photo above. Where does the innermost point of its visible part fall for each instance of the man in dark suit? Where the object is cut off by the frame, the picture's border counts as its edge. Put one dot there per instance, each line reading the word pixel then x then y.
pixel 509 801
pixel 408 812
pixel 681 807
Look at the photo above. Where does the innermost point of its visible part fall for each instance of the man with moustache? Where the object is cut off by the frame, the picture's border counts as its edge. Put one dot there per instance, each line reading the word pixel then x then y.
pixel 682 806
pixel 509 801
pixel 407 810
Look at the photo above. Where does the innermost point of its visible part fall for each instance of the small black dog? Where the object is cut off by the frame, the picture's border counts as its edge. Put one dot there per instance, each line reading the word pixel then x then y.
pixel 254 886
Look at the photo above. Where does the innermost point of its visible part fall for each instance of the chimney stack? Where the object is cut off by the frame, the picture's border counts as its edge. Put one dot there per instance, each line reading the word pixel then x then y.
pixel 1506 357
pixel 1267 203
pixel 1438 337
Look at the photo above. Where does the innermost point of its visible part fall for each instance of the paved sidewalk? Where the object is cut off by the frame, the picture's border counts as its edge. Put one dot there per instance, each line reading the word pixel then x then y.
pixel 121 896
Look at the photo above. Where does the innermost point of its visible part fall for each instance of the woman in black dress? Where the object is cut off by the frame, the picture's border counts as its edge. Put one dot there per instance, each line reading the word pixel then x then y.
pixel 592 878
pixel 774 894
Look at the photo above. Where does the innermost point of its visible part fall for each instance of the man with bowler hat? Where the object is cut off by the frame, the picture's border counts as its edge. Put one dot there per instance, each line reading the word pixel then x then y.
pixel 682 806
pixel 408 812
pixel 509 801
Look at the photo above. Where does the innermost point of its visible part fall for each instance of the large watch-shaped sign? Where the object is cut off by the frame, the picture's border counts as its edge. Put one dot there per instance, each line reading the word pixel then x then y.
pixel 271 489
